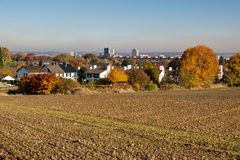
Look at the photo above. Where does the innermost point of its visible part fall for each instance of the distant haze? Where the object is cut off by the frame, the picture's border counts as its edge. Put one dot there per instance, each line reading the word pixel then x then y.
pixel 148 25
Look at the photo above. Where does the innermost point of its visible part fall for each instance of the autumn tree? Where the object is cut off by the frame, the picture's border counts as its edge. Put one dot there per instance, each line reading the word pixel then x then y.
pixel 138 78
pixel 233 70
pixel 199 67
pixel 37 84
pixel 30 57
pixel 20 56
pixel 118 76
pixel 5 56
pixel 63 58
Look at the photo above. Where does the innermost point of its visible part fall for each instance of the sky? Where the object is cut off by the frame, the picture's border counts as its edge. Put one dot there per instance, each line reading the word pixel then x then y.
pixel 91 25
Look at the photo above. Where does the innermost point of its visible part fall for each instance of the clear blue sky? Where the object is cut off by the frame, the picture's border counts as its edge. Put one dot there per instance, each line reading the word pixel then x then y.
pixel 149 25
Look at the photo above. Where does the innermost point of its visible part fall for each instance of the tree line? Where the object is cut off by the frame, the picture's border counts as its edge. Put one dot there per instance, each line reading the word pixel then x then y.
pixel 197 68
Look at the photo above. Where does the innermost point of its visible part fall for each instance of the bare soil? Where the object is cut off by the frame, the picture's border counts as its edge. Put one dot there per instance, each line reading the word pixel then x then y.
pixel 182 124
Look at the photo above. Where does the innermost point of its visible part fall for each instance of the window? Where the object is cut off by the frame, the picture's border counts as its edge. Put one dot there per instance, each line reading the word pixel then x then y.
pixel 89 75
pixel 96 75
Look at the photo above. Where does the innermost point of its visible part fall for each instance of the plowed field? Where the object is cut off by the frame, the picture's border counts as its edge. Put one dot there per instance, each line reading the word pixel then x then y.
pixel 184 124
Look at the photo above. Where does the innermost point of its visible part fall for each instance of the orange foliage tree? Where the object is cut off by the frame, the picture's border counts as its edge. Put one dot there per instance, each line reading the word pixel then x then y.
pixel 198 68
pixel 118 76
pixel 37 84
pixel 233 66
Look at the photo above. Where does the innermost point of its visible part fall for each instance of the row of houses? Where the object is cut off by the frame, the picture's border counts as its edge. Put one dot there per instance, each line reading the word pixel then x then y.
pixel 67 71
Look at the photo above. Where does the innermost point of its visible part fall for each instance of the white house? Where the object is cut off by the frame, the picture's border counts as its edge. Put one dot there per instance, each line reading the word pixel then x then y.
pixel 161 73
pixel 66 71
pixel 220 73
pixel 7 80
pixel 128 67
pixel 97 73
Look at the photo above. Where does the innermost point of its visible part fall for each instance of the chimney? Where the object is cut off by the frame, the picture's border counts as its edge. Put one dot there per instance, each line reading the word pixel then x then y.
pixel 108 68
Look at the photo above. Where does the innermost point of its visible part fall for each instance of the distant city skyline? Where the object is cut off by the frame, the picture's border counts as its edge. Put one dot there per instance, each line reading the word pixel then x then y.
pixel 91 25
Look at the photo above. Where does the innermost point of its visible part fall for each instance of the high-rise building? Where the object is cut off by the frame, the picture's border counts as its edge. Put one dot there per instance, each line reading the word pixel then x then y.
pixel 135 53
pixel 108 52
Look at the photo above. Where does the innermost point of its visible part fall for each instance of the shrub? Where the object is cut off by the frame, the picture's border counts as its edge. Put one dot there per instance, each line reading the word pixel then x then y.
pixel 37 84
pixel 118 76
pixel 169 86
pixel 138 78
pixel 104 81
pixel 198 68
pixel 91 84
pixel 65 86
pixel 151 87
pixel 233 74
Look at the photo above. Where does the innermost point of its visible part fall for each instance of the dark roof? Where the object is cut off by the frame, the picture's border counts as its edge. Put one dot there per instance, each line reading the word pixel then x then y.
pixel 54 68
pixel 33 69
pixel 68 68
pixel 95 71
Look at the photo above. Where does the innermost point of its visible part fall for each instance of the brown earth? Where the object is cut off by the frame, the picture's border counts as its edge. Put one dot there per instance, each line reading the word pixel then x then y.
pixel 182 124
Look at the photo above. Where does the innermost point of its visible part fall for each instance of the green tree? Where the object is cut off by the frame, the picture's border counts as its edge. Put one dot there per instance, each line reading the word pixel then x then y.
pixel 175 64
pixel 152 72
pixel 233 67
pixel 222 61
pixel 5 56
pixel 126 62
pixel 199 67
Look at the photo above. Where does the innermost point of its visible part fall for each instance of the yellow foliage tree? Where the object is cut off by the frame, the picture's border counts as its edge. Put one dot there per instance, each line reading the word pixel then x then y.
pixel 118 76
pixel 198 67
